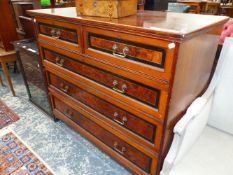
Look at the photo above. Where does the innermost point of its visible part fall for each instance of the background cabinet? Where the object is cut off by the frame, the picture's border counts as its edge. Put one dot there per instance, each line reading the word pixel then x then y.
pixel 7 26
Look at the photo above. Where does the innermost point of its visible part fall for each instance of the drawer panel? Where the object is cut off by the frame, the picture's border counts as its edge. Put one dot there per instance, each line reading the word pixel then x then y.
pixel 147 95
pixel 125 49
pixel 125 119
pixel 57 32
pixel 133 53
pixel 60 33
pixel 119 146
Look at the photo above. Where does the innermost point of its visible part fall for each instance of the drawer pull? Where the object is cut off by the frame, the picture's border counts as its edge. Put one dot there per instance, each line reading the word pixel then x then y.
pixel 64 88
pixel 59 61
pixel 123 88
pixel 124 51
pixel 58 34
pixel 55 34
pixel 69 113
pixel 52 32
pixel 124 119
pixel 121 151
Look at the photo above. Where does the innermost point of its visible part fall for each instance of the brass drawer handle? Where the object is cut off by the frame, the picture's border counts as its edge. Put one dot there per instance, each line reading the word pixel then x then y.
pixel 55 34
pixel 123 88
pixel 58 34
pixel 124 119
pixel 52 32
pixel 119 150
pixel 124 51
pixel 59 61
pixel 64 88
pixel 69 113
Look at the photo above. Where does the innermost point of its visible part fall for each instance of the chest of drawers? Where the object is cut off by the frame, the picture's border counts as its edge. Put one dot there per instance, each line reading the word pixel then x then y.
pixel 124 83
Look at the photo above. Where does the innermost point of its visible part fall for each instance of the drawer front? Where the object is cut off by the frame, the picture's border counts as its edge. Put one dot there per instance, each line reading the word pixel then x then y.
pixel 119 146
pixel 60 33
pixel 139 54
pixel 119 84
pixel 129 121
pixel 65 34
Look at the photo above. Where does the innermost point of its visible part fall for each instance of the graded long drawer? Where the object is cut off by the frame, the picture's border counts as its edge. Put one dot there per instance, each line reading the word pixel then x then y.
pixel 146 130
pixel 145 56
pixel 60 33
pixel 119 146
pixel 147 95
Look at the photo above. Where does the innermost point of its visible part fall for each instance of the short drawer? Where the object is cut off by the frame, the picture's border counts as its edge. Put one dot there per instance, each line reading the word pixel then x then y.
pixel 137 54
pixel 132 89
pixel 59 33
pixel 142 128
pixel 122 148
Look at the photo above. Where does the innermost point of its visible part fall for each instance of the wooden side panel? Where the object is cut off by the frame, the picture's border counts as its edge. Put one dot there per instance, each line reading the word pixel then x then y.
pixel 192 75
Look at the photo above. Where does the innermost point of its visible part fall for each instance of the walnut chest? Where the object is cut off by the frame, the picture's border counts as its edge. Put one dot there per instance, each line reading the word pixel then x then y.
pixel 123 83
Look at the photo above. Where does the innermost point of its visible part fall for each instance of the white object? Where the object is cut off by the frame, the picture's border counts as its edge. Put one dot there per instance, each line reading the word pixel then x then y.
pixel 203 138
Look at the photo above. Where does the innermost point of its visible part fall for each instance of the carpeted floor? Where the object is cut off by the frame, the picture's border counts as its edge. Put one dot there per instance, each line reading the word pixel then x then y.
pixel 63 149
pixel 7 116
pixel 16 158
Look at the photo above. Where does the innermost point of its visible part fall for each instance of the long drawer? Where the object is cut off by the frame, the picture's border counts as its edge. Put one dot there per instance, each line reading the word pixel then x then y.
pixel 60 33
pixel 147 95
pixel 145 56
pixel 119 146
pixel 149 131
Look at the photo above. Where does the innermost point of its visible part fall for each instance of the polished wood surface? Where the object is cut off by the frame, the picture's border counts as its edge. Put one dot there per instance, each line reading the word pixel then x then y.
pixel 166 25
pixel 7 26
pixel 130 78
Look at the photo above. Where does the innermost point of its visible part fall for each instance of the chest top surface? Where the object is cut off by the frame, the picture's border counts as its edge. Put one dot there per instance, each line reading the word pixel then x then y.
pixel 164 24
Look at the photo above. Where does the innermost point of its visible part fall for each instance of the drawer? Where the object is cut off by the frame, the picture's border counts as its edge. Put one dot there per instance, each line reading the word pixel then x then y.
pixel 119 146
pixel 144 56
pixel 132 89
pixel 138 126
pixel 60 33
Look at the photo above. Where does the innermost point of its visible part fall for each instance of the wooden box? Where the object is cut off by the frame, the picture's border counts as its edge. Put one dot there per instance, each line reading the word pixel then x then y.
pixel 106 8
